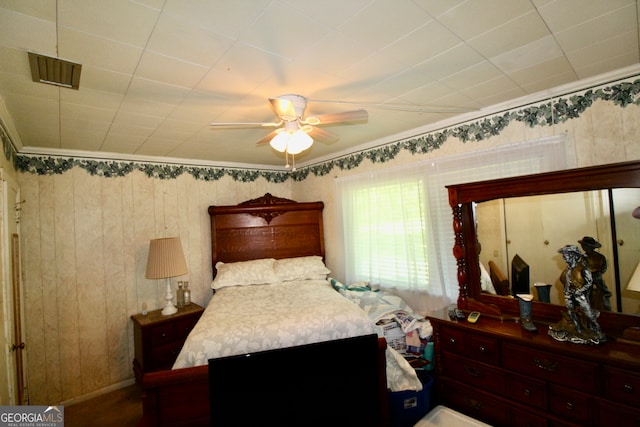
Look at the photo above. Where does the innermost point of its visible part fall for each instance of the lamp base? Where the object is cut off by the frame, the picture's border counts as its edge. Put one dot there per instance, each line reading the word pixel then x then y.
pixel 169 308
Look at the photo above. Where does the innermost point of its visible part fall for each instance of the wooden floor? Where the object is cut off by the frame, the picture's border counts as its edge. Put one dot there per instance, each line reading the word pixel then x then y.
pixel 121 407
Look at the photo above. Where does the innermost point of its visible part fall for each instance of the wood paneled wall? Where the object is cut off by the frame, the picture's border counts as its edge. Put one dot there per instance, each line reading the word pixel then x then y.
pixel 85 241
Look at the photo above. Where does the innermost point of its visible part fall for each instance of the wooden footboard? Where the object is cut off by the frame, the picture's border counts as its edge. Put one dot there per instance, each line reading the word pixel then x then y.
pixel 181 397
pixel 385 419
pixel 176 397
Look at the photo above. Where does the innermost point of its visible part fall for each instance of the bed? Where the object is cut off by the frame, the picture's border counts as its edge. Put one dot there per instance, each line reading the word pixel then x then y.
pixel 498 279
pixel 265 228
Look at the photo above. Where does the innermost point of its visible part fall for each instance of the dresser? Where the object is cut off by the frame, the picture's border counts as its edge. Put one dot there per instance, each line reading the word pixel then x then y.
pixel 499 373
pixel 158 339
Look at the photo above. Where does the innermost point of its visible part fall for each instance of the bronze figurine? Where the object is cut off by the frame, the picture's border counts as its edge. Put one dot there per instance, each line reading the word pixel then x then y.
pixel 600 294
pixel 579 323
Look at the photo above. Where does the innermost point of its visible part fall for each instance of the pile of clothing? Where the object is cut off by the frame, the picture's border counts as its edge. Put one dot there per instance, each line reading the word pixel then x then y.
pixel 406 332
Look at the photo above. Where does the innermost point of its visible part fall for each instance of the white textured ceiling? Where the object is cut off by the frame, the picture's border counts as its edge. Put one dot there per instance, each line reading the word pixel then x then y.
pixel 155 73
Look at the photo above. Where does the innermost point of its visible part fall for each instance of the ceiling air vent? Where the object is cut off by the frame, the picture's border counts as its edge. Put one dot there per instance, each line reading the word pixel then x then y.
pixel 53 71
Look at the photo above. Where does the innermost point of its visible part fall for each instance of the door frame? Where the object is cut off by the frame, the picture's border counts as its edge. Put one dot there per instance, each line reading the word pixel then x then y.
pixel 16 384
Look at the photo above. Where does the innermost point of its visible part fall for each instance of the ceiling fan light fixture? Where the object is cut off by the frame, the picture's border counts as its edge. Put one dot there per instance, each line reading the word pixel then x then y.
pixel 280 141
pixel 299 142
pixel 291 142
pixel 293 133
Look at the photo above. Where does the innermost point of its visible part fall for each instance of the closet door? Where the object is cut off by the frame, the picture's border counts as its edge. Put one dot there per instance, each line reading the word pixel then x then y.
pixel 524 231
pixel 625 200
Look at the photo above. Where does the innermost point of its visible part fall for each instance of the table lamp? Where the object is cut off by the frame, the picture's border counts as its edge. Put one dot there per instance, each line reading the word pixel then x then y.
pixel 165 261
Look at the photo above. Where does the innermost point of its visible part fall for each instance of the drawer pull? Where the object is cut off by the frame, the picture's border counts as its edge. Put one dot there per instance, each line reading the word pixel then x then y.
pixel 628 388
pixel 452 340
pixel 546 365
pixel 526 392
pixel 472 371
pixel 164 335
pixel 482 349
pixel 569 406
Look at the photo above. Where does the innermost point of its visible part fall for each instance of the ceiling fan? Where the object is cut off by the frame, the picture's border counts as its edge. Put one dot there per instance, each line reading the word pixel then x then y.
pixel 295 132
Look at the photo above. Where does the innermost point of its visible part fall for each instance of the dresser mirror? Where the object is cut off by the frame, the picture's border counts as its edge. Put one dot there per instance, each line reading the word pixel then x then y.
pixel 509 228
pixel 529 228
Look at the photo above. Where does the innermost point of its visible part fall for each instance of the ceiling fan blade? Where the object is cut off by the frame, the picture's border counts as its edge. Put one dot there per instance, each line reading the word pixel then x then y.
pixel 412 108
pixel 344 117
pixel 243 125
pixel 267 138
pixel 283 108
pixel 323 135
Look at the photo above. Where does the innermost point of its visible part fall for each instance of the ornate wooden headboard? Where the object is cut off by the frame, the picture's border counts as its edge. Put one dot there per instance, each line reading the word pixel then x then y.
pixel 266 227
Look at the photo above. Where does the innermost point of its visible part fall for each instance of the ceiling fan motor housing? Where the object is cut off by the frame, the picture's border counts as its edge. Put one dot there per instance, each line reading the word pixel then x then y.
pixel 299 106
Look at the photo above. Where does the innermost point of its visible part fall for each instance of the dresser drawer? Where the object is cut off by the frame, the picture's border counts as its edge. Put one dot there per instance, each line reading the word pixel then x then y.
pixel 475 374
pixel 528 391
pixel 475 403
pixel 570 404
pixel 621 385
pixel 165 356
pixel 184 326
pixel 169 332
pixel 452 341
pixel 612 414
pixel 485 349
pixel 163 334
pixel 475 346
pixel 526 419
pixel 575 373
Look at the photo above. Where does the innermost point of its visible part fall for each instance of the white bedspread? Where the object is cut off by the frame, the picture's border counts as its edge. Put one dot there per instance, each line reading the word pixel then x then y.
pixel 246 319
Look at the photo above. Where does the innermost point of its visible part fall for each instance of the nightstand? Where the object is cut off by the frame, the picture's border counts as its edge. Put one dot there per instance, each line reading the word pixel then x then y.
pixel 158 339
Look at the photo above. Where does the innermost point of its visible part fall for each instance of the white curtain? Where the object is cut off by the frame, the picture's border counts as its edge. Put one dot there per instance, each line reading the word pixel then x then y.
pixel 396 224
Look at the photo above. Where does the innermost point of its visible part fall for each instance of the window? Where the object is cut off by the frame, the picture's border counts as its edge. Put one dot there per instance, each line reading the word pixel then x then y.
pixel 386 231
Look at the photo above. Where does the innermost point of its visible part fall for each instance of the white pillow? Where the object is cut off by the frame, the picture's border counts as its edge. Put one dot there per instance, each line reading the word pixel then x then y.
pixel 242 273
pixel 485 280
pixel 301 268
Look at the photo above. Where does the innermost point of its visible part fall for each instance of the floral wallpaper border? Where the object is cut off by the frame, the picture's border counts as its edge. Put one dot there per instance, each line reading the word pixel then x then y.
pixel 547 113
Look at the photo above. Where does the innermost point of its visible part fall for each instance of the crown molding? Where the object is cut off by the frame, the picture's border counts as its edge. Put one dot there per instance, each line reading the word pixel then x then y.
pixel 119 157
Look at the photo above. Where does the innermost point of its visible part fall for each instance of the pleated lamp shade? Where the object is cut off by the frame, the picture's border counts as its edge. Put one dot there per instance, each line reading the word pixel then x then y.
pixel 166 259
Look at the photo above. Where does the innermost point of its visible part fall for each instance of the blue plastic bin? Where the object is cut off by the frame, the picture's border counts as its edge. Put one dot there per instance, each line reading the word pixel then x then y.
pixel 407 407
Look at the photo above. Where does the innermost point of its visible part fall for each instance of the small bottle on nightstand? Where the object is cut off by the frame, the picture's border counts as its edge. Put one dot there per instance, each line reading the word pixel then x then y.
pixel 187 294
pixel 180 295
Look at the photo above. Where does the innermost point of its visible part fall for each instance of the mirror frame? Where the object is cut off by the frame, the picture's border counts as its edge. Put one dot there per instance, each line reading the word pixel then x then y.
pixel 462 199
